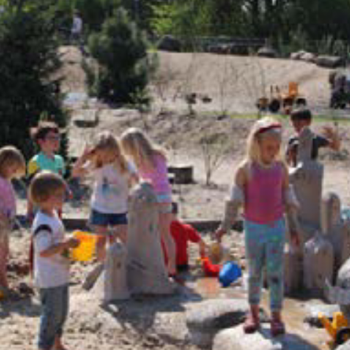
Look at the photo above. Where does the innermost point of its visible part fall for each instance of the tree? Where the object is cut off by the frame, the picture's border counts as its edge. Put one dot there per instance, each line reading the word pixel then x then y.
pixel 120 50
pixel 28 61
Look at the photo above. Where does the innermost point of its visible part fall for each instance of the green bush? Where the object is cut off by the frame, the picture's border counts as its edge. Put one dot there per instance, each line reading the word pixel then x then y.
pixel 28 60
pixel 120 50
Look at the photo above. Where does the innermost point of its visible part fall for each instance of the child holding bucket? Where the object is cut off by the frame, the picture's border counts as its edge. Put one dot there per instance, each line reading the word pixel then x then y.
pixel 261 186
pixel 151 162
pixel 51 264
pixel 112 174
pixel 12 164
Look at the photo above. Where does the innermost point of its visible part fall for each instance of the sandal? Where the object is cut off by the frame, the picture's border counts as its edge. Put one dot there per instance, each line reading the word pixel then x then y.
pixel 277 328
pixel 251 324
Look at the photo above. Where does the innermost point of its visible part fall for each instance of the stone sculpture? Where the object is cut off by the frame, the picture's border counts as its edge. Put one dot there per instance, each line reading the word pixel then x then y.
pixel 146 272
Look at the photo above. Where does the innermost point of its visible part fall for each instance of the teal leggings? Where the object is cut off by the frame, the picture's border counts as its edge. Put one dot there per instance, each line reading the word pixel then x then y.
pixel 265 248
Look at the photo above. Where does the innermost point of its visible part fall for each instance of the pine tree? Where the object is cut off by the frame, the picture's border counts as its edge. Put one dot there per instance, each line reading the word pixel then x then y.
pixel 28 61
pixel 120 49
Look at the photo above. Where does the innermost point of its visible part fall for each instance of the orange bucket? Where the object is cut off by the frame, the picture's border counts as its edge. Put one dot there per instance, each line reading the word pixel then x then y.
pixel 86 249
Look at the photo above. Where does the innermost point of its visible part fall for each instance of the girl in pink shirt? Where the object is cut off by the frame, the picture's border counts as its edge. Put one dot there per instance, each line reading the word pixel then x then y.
pixel 152 166
pixel 261 186
pixel 12 164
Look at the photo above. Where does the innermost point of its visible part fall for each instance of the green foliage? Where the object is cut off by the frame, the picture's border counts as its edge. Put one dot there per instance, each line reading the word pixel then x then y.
pixel 120 50
pixel 28 60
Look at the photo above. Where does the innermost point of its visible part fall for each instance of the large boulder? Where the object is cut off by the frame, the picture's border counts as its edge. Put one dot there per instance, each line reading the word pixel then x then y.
pixel 267 52
pixel 329 61
pixel 205 319
pixel 169 43
pixel 236 339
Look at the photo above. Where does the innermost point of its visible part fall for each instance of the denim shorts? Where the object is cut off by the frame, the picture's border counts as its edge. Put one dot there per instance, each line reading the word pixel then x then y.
pixel 104 219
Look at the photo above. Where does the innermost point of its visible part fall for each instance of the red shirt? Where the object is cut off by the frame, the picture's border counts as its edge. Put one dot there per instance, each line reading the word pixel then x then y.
pixel 182 234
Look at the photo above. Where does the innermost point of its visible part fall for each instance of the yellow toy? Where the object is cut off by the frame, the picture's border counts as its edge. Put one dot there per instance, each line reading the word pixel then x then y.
pixel 86 249
pixel 338 329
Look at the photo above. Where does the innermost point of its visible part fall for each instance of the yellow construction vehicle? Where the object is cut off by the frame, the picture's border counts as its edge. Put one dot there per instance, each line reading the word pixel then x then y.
pixel 338 329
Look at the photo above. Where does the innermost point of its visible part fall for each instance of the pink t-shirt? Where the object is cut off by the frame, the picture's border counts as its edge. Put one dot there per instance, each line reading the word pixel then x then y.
pixel 7 198
pixel 264 194
pixel 158 176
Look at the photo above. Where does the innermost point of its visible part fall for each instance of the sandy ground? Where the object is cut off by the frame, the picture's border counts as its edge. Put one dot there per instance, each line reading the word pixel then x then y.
pixel 157 323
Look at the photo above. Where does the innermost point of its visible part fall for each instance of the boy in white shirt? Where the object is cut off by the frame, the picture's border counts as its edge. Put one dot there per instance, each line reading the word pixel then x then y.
pixel 51 264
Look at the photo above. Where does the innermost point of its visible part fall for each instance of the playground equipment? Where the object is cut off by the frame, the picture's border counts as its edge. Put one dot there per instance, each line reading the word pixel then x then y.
pixel 86 249
pixel 282 100
pixel 338 329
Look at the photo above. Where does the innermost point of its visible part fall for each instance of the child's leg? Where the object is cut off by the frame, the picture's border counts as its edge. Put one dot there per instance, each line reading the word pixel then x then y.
pixel 101 231
pixel 275 264
pixel 63 316
pixel 4 253
pixel 51 316
pixel 169 243
pixel 275 277
pixel 119 231
pixel 255 253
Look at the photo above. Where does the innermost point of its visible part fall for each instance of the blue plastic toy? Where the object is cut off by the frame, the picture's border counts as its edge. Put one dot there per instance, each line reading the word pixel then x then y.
pixel 229 273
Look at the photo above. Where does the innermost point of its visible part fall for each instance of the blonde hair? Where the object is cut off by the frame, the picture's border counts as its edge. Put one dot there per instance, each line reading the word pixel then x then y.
pixel 266 126
pixel 44 185
pixel 106 145
pixel 10 155
pixel 140 148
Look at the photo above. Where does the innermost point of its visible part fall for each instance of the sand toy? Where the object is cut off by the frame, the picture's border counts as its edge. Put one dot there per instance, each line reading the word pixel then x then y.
pixel 338 329
pixel 86 249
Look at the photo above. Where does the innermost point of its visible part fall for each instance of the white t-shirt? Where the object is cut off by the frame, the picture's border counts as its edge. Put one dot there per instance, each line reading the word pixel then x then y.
pixel 51 271
pixel 110 193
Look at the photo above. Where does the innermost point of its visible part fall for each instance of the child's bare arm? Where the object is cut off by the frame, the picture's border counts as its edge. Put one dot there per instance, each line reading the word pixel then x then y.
pixel 232 204
pixel 80 167
pixel 59 248
pixel 333 138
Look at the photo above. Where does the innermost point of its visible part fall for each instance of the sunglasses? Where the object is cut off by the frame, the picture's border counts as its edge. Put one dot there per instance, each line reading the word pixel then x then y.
pixel 53 138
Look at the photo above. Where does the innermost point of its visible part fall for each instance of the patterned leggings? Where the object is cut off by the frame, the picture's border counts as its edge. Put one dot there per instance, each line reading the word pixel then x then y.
pixel 265 248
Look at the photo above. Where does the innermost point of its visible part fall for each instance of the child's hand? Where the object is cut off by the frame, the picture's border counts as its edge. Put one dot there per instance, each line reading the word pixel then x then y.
pixel 88 153
pixel 203 250
pixel 295 239
pixel 72 243
pixel 219 233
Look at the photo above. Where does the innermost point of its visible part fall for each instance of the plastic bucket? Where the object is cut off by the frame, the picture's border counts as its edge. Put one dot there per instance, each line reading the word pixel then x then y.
pixel 229 273
pixel 86 249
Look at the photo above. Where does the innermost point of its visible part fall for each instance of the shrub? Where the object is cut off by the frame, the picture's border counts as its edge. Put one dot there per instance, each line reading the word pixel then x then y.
pixel 28 61
pixel 120 50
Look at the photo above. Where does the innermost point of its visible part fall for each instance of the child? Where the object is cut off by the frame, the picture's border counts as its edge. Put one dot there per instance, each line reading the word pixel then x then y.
pixel 113 175
pixel 182 234
pixel 261 186
pixel 47 137
pixel 51 265
pixel 12 164
pixel 301 118
pixel 152 166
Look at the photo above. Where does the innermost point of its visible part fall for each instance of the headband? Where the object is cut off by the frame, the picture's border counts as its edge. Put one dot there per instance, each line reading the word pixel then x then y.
pixel 269 127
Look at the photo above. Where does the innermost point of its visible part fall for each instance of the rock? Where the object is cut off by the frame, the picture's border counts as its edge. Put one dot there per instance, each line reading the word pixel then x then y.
pixel 205 319
pixel 169 43
pixel 267 52
pixel 329 61
pixel 314 310
pixel 303 56
pixel 236 339
pixel 343 281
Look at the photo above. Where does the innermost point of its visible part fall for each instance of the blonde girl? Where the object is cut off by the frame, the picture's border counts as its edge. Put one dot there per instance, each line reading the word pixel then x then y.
pixel 151 163
pixel 12 165
pixel 261 186
pixel 112 174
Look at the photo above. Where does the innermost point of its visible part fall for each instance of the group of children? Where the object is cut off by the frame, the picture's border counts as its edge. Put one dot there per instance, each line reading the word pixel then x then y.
pixel 260 185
